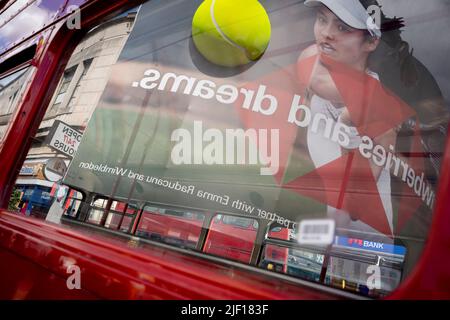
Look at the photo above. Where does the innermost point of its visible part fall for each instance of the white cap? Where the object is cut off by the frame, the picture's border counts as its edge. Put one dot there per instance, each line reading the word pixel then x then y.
pixel 352 12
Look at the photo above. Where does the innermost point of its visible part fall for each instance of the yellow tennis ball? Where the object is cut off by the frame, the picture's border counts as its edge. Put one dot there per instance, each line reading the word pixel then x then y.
pixel 231 32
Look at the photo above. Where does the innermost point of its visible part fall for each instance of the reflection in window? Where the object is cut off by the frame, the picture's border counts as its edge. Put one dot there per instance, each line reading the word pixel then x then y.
pixel 365 267
pixel 34 200
pixel 178 227
pixel 100 202
pixel 231 237
pixel 72 203
pixel 133 127
pixel 73 102
pixel 352 275
pixel 67 78
pixel 295 262
pixel 11 89
pixel 120 216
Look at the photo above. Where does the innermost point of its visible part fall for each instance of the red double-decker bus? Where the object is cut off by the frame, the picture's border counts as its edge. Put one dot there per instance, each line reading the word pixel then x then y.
pixel 148 156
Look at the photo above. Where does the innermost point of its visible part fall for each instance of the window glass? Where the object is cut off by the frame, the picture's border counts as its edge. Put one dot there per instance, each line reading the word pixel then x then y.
pixel 295 262
pixel 120 216
pixel 366 267
pixel 352 275
pixel 113 220
pixel 231 237
pixel 12 9
pixel 173 226
pixel 63 88
pixel 12 87
pixel 126 223
pixel 65 121
pixel 100 202
pixel 72 202
pixel 34 200
pixel 244 151
pixel 131 209
pixel 95 216
pixel 237 222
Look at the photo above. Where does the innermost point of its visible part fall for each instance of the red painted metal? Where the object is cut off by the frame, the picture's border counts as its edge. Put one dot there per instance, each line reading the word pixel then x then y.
pixel 38 253
pixel 112 269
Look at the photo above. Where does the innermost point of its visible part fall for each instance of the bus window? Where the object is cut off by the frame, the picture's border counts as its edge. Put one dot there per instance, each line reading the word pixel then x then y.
pixel 149 126
pixel 120 216
pixel 288 257
pixel 299 263
pixel 278 232
pixel 173 226
pixel 231 237
pixel 97 210
pixel 276 257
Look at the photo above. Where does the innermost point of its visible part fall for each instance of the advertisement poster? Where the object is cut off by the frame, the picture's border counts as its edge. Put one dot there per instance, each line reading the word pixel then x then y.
pixel 318 125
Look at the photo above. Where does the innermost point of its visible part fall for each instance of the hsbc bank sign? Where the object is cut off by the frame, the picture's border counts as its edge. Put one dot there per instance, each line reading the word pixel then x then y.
pixel 365 243
pixel 64 139
pixel 370 245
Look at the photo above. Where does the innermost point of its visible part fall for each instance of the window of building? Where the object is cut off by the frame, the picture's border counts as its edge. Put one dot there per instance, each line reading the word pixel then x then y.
pixel 231 237
pixel 175 143
pixel 97 210
pixel 12 86
pixel 73 80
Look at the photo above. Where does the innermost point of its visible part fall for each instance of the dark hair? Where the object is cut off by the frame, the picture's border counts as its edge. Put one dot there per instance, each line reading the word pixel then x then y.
pixel 410 80
pixel 395 48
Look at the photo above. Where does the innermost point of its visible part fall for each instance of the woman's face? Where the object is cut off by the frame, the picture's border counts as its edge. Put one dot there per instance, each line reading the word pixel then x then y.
pixel 341 42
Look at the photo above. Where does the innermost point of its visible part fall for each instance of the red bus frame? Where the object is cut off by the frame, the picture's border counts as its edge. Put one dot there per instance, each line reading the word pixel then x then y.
pixel 37 253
